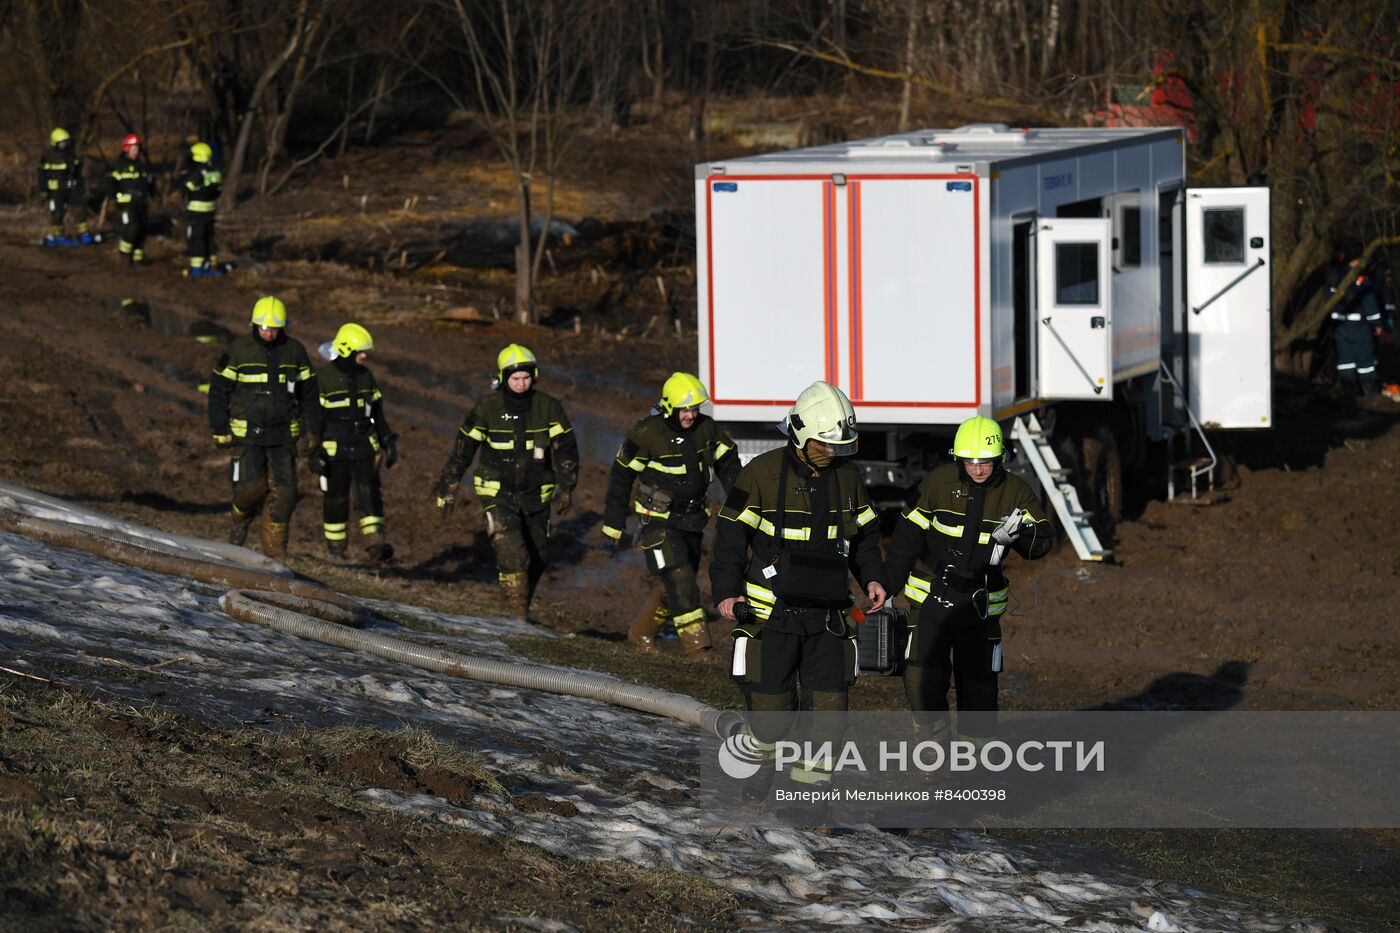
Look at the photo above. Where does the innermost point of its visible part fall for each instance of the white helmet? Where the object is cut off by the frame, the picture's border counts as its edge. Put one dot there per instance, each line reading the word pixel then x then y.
pixel 822 412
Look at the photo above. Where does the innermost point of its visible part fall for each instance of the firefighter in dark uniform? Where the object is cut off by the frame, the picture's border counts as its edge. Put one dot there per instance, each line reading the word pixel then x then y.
pixel 947 554
pixel 529 458
pixel 1355 320
pixel 129 183
pixel 355 440
pixel 202 185
pixel 796 525
pixel 62 185
pixel 672 454
pixel 262 397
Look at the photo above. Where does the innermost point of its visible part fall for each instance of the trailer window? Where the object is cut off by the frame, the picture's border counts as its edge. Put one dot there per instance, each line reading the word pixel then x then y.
pixel 1223 229
pixel 1076 273
pixel 1131 243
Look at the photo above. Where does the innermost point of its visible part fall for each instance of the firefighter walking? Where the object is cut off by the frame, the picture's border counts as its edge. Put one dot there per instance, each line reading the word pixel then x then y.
pixel 529 460
pixel 202 184
pixel 672 455
pixel 355 441
pixel 947 555
pixel 64 190
pixel 796 526
pixel 130 185
pixel 262 397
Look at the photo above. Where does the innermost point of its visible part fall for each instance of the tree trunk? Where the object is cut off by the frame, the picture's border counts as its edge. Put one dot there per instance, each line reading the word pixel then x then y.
pixel 245 132
pixel 524 299
pixel 906 93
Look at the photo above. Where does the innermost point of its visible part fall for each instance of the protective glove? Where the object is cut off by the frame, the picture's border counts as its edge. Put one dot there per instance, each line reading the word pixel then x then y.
pixel 389 450
pixel 316 462
pixel 563 501
pixel 445 503
pixel 1010 528
pixel 223 440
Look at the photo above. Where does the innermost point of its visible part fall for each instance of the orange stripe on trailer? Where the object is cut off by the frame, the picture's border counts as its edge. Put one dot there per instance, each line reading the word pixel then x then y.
pixel 853 209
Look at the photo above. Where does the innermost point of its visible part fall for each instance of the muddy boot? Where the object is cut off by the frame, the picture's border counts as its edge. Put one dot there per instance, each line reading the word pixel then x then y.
pixel 379 553
pixel 274 539
pixel 336 549
pixel 695 638
pixel 646 622
pixel 515 589
pixel 238 527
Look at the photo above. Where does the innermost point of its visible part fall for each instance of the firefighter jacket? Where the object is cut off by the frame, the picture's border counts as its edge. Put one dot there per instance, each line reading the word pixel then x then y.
pixel 353 426
pixel 528 449
pixel 944 541
pixel 202 186
pixel 781 519
pixel 1360 304
pixel 673 468
pixel 60 172
pixel 129 181
pixel 261 393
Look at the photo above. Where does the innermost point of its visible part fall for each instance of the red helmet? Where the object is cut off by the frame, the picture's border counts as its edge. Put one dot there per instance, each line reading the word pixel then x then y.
pixel 130 140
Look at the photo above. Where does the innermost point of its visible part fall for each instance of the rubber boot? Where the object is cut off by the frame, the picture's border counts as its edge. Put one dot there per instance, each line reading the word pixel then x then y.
pixel 647 622
pixel 274 539
pixel 695 638
pixel 515 589
pixel 238 527
pixel 336 549
pixel 379 552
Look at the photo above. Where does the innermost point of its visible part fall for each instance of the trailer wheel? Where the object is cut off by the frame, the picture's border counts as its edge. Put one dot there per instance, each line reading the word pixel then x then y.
pixel 1102 480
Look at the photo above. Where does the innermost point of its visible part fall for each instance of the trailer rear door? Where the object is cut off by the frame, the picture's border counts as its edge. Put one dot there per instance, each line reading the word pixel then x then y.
pixel 772 286
pixel 1228 294
pixel 1074 309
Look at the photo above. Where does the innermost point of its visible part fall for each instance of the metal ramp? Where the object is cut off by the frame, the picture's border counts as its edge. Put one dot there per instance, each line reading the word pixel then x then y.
pixel 1055 480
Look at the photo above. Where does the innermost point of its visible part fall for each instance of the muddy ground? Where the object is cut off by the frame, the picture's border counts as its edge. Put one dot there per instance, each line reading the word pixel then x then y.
pixel 1278 597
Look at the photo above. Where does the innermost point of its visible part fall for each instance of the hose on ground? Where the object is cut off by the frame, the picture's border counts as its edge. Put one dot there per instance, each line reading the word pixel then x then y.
pixel 288 606
pixel 248 607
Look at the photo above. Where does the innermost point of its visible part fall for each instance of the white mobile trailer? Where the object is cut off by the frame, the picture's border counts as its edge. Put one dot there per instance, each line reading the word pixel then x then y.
pixel 1061 281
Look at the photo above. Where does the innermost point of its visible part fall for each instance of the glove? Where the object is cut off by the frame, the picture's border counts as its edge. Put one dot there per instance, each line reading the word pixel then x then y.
pixel 563 502
pixel 389 450
pixel 316 462
pixel 1010 528
pixel 445 503
pixel 223 440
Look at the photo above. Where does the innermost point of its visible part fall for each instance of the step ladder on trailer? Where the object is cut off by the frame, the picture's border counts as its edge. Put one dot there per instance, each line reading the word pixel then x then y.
pixel 1195 469
pixel 1056 482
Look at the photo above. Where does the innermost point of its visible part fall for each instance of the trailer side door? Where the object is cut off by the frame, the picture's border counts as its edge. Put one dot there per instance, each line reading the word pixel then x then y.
pixel 1228 295
pixel 1074 297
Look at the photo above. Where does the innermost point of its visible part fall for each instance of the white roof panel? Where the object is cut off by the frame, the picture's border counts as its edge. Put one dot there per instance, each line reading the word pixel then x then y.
pixel 993 144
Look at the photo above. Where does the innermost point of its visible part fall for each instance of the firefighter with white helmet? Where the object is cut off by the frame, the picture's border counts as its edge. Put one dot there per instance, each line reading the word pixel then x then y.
pixel 793 530
pixel 262 398
pixel 672 455
pixel 529 460
pixel 947 555
pixel 355 441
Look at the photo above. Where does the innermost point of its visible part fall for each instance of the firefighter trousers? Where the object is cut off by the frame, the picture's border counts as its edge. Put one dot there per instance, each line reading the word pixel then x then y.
pixel 952 645
pixel 1356 357
pixel 794 652
pixel 132 223
pixel 340 479
pixel 199 239
pixel 673 560
pixel 265 473
pixel 60 203
pixel 519 538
